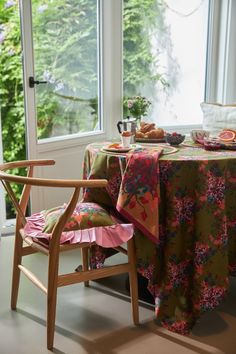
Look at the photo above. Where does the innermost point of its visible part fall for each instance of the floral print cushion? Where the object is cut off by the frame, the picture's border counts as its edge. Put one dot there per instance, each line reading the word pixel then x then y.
pixel 85 216
pixel 89 223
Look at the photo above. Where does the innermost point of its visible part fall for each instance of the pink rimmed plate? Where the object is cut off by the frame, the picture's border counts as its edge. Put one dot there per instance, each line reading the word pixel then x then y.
pixel 120 148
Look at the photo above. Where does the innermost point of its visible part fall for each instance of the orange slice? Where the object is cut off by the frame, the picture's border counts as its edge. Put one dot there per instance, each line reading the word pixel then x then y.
pixel 227 135
pixel 231 130
pixel 114 146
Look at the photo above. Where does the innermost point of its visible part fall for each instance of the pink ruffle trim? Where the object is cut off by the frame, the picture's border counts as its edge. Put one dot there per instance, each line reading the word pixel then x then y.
pixel 105 236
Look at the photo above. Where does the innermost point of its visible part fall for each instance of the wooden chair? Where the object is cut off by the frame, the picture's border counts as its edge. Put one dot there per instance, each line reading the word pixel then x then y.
pixel 25 245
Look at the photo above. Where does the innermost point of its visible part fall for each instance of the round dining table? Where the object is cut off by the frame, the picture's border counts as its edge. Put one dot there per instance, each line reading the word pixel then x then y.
pixel 188 268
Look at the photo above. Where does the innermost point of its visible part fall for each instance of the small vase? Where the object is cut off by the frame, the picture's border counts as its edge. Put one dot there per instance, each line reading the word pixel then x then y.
pixel 138 122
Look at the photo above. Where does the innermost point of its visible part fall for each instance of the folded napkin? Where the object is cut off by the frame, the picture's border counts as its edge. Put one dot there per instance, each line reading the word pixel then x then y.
pixel 140 190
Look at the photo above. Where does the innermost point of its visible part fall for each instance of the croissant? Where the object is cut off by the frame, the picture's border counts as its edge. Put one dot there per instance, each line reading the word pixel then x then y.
pixel 146 127
pixel 139 134
pixel 156 133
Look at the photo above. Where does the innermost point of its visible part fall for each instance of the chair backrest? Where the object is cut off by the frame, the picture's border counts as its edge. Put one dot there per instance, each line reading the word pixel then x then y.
pixel 29 181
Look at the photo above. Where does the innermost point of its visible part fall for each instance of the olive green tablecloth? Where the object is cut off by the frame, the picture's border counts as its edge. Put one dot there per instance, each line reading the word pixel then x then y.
pixel 188 270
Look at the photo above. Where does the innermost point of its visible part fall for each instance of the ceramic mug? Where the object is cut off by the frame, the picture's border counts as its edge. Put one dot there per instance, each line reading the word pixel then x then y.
pixel 199 134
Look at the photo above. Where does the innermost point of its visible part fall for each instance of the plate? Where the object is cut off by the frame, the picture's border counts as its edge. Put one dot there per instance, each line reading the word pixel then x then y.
pixel 150 141
pixel 167 149
pixel 120 148
pixel 226 146
pixel 229 146
pixel 192 144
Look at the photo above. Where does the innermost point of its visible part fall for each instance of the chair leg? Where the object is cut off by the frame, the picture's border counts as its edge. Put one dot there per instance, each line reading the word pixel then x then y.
pixel 51 299
pixel 16 271
pixel 133 280
pixel 85 251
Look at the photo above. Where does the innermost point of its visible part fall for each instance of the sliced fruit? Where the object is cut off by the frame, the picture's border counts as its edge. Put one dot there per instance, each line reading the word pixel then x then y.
pixel 227 135
pixel 115 146
pixel 231 130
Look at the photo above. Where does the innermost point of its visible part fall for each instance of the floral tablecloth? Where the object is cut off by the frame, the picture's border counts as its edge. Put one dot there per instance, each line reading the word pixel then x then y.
pixel 188 270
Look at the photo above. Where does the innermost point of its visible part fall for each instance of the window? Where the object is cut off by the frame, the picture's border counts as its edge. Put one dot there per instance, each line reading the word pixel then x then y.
pixel 66 47
pixel 165 47
pixel 65 53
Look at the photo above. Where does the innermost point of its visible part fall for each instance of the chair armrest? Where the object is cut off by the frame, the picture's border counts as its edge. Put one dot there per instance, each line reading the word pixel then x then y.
pixel 26 163
pixel 44 182
pixel 29 181
pixel 62 183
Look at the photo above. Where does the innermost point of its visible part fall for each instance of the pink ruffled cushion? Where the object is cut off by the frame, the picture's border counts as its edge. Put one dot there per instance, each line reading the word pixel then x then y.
pixel 83 226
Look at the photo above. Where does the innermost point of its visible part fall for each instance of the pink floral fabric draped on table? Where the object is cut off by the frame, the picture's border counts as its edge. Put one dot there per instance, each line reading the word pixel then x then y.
pixel 140 191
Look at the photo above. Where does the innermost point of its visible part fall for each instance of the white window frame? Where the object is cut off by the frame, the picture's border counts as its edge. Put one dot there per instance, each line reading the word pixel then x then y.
pixel 112 68
pixel 220 83
pixel 54 143
pixel 221 56
pixel 2 201
pixel 186 128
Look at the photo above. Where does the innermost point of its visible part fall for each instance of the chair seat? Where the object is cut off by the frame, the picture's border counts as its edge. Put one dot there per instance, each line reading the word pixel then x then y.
pixel 106 235
pixel 42 244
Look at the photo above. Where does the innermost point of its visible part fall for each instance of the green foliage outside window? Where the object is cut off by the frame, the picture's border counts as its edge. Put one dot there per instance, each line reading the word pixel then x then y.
pixel 143 20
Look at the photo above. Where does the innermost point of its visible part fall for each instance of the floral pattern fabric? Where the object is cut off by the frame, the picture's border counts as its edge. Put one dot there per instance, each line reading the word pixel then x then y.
pixel 139 192
pixel 188 270
pixel 88 223
pixel 85 216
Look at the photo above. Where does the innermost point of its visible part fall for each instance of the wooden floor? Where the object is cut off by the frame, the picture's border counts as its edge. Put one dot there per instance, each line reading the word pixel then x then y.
pixel 97 320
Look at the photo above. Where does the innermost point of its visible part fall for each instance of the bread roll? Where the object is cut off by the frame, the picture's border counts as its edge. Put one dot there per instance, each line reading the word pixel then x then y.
pixel 139 134
pixel 155 134
pixel 146 127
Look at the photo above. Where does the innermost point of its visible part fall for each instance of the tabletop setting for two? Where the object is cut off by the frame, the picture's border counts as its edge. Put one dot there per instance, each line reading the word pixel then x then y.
pixel 148 135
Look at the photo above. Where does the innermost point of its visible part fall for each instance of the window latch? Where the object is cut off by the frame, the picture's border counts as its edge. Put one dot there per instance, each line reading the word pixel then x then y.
pixel 33 82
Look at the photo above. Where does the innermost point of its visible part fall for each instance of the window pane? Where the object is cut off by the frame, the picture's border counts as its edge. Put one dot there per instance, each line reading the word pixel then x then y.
pixel 65 36
pixel 165 45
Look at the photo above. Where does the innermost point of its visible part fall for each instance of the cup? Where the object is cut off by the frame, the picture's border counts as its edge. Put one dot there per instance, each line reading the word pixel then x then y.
pixel 126 138
pixel 199 134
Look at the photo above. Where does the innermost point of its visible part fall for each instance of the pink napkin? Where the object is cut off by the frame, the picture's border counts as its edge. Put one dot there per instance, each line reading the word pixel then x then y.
pixel 140 191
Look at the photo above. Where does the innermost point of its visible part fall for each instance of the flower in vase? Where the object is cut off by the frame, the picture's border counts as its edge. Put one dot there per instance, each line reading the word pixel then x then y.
pixel 137 106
